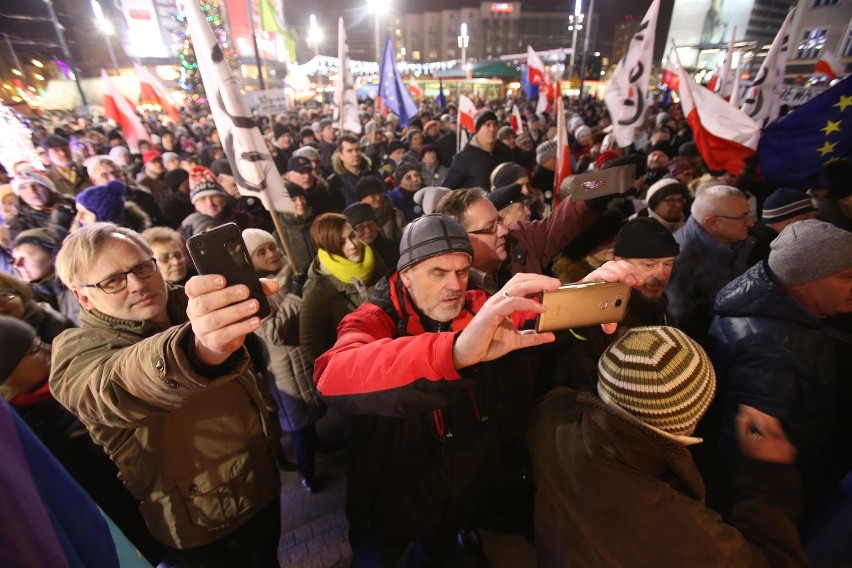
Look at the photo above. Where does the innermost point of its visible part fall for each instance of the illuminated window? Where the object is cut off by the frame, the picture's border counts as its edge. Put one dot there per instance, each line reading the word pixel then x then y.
pixel 811 42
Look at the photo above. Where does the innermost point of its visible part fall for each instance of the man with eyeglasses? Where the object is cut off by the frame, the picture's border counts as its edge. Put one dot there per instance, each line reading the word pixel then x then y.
pixel 526 246
pixel 666 200
pixel 714 249
pixel 163 379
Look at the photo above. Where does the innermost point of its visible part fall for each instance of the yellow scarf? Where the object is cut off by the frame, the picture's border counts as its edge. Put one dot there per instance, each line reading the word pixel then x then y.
pixel 345 270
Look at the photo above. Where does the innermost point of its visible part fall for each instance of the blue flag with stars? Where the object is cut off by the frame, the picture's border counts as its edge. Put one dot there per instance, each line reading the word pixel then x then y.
pixel 794 148
pixel 394 94
pixel 441 100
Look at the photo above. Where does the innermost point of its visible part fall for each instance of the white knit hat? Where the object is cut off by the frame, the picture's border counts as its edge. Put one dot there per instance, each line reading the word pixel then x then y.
pixel 254 238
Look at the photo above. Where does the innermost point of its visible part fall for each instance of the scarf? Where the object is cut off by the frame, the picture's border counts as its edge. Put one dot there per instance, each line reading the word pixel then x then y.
pixel 345 270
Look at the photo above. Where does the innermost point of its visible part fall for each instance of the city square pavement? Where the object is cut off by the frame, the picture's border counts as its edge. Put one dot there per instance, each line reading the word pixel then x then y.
pixel 314 527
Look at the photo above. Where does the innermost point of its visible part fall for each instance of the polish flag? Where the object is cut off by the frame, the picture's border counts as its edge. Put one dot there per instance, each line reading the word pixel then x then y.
pixel 467 111
pixel 537 76
pixel 725 135
pixel 154 92
pixel 414 89
pixel 829 65
pixel 119 109
pixel 563 150
pixel 517 123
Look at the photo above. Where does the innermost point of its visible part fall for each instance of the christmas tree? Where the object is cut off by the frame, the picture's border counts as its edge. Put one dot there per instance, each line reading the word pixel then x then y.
pixel 190 77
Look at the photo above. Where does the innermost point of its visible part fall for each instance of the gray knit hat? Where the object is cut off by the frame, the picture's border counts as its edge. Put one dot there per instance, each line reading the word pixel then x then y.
pixel 431 235
pixel 660 376
pixel 545 151
pixel 809 250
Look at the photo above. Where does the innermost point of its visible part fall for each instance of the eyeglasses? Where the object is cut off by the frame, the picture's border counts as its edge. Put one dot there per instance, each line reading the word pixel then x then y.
pixel 170 256
pixel 118 282
pixel 741 218
pixel 7 295
pixel 489 230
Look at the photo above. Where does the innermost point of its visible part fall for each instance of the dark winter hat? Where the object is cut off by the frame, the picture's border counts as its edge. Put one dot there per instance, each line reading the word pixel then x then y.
pixel 196 223
pixel 221 166
pixel 307 132
pixel 174 178
pixel 679 165
pixel 299 164
pixel 357 213
pixel 506 195
pixel 483 117
pixel 395 145
pixel 664 146
pixel 662 189
pixel 431 235
pixel 545 151
pixel 202 183
pixel 54 141
pixel 660 376
pixel 427 148
pixel 403 168
pixel 41 237
pixel 688 149
pixel 325 122
pixel 279 129
pixel 645 237
pixel 368 186
pixel 809 250
pixel 17 339
pixel 785 203
pixel 105 201
pixel 295 190
pixel 505 132
pixel 507 173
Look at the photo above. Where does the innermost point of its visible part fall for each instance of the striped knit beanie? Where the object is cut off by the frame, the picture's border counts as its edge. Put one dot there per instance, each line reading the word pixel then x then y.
pixel 660 376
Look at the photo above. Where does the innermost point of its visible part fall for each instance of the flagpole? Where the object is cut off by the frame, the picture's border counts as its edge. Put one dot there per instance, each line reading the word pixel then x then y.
pixel 260 80
pixel 586 47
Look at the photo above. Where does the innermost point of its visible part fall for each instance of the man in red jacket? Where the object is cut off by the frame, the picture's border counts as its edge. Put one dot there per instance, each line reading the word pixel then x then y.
pixel 414 370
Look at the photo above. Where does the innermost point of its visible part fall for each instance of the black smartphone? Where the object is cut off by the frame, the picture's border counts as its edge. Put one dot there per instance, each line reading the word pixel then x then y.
pixel 223 251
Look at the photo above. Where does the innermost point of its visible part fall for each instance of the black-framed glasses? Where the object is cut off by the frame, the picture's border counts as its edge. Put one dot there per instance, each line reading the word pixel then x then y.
pixel 489 230
pixel 118 282
pixel 167 257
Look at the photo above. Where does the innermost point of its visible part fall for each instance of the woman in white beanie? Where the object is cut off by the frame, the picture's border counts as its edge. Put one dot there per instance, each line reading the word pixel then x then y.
pixel 300 408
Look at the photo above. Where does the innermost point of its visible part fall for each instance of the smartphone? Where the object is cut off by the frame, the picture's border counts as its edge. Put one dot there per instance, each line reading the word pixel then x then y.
pixel 598 183
pixel 223 251
pixel 583 304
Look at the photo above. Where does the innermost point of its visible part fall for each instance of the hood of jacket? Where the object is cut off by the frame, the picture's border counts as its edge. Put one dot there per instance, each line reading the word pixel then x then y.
pixel 755 293
pixel 337 165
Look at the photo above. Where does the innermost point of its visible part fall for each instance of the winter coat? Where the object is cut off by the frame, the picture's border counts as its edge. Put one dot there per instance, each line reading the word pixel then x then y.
pixel 703 267
pixel 293 371
pixel 200 451
pixel 341 184
pixel 425 453
pixel 29 218
pixel 325 301
pixel 472 166
pixel 403 201
pixel 612 492
pixel 70 187
pixel 433 175
pixel 175 207
pixel 773 354
pixel 297 231
pixel 58 296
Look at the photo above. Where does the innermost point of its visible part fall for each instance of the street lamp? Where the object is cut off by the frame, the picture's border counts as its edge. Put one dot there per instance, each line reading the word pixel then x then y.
pixel 107 29
pixel 464 41
pixel 586 46
pixel 314 39
pixel 377 7
pixel 575 23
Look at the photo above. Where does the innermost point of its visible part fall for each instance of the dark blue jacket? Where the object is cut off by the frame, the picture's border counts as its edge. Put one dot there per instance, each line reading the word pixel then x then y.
pixel 774 355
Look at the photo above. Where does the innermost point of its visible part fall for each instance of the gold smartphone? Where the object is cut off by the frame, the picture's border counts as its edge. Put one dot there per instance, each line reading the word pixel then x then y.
pixel 583 304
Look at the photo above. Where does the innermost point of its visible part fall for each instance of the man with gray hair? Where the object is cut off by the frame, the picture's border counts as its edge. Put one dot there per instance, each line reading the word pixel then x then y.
pixel 714 248
pixel 775 349
pixel 162 378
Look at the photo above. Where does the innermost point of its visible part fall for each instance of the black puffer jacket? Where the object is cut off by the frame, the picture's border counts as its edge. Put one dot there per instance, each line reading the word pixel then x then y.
pixel 472 166
pixel 773 354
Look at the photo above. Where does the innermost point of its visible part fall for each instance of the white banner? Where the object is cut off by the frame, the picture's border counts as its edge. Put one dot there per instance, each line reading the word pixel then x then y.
pixel 270 101
pixel 762 100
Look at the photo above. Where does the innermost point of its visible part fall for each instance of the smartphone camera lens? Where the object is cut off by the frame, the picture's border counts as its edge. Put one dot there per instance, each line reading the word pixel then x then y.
pixel 618 302
pixel 199 244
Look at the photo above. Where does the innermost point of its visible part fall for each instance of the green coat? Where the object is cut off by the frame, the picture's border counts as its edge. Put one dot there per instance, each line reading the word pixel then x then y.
pixel 202 455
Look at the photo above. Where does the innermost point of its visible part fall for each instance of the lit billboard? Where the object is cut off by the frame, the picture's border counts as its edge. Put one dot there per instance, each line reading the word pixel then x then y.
pixel 706 23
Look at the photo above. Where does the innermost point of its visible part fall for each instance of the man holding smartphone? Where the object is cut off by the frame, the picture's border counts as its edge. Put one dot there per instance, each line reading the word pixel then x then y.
pixel 414 369
pixel 162 378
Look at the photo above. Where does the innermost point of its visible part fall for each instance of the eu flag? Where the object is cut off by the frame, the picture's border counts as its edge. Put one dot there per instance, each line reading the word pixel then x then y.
pixel 441 100
pixel 392 90
pixel 793 149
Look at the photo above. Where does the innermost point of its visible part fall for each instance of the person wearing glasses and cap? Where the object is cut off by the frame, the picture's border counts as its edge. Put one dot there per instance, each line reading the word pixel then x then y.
pixel 163 379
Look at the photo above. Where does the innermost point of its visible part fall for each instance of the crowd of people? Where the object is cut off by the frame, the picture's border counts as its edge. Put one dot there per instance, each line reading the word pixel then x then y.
pixel 707 428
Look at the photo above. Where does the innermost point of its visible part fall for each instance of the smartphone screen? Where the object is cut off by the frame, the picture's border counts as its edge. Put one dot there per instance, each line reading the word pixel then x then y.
pixel 223 251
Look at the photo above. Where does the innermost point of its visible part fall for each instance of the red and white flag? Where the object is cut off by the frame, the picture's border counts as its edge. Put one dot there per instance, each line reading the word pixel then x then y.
pixel 119 109
pixel 535 67
pixel 829 65
pixel 762 100
pixel 467 111
pixel 725 135
pixel 517 123
pixel 563 150
pixel 627 90
pixel 414 89
pixel 154 92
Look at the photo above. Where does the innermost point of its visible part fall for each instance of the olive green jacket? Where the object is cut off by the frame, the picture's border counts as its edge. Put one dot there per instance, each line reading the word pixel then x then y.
pixel 202 455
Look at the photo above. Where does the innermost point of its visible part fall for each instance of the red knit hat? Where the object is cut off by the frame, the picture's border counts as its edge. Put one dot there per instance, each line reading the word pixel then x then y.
pixel 203 182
